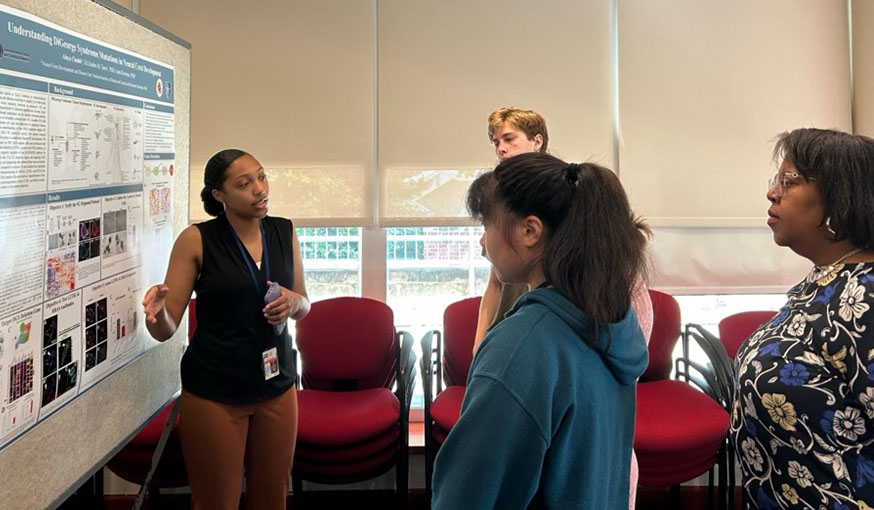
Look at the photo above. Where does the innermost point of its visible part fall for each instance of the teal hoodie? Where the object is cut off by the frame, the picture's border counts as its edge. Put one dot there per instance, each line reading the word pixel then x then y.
pixel 547 421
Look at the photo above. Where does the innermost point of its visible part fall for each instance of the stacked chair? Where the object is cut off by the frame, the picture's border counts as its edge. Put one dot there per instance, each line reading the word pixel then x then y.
pixel 351 425
pixel 680 431
pixel 734 329
pixel 446 359
pixel 717 376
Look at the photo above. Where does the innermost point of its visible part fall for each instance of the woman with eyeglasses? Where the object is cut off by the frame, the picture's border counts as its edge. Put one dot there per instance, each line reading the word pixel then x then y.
pixel 803 414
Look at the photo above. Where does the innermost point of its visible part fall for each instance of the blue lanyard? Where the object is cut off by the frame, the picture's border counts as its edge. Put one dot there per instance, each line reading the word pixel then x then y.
pixel 265 257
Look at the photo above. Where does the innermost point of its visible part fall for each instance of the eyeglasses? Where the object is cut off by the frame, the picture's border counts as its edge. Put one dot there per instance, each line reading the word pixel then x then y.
pixel 783 180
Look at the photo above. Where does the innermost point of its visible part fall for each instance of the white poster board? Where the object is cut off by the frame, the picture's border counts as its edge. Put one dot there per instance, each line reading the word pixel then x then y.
pixel 87 157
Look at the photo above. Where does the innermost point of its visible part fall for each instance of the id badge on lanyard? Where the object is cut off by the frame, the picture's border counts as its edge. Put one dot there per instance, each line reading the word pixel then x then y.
pixel 270 357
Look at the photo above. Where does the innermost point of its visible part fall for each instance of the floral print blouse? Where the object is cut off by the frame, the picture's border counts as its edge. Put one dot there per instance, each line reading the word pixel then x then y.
pixel 803 416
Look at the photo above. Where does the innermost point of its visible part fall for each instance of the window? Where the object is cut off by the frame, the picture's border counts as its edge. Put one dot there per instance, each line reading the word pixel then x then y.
pixel 428 268
pixel 331 260
pixel 708 310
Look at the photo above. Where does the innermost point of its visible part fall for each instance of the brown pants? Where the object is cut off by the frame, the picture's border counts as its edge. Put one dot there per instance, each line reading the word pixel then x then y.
pixel 219 439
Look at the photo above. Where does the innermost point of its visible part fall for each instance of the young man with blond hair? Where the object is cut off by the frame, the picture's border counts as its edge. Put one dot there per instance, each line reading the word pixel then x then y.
pixel 512 131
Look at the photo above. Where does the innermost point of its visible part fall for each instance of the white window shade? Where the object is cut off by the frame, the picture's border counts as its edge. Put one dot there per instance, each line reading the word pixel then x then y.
pixel 703 89
pixel 722 261
pixel 312 195
pixel 444 66
pixel 863 66
pixel 416 196
pixel 293 84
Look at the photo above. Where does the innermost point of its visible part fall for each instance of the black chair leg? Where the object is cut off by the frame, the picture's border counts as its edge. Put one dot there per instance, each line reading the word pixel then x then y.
pixel 674 496
pixel 732 481
pixel 710 489
pixel 297 492
pixel 98 490
pixel 401 483
pixel 723 478
pixel 154 497
pixel 430 448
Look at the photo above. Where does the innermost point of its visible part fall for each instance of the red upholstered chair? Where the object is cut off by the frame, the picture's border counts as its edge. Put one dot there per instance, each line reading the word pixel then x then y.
pixel 734 329
pixel 680 432
pixel 446 358
pixel 351 426
pixel 133 461
pixel 716 378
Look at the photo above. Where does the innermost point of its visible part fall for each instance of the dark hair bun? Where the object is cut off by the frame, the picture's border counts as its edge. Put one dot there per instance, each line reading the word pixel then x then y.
pixel 212 206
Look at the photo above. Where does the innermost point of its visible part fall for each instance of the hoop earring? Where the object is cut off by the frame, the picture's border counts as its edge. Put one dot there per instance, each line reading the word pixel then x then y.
pixel 829 228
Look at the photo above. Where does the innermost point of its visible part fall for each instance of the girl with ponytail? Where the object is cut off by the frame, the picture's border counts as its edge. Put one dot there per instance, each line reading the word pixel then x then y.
pixel 238 403
pixel 548 414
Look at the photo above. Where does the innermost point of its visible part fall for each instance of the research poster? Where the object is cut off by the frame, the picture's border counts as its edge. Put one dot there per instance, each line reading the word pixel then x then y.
pixel 87 157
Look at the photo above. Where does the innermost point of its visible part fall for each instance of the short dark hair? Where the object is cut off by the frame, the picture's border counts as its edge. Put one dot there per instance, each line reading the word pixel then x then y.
pixel 842 166
pixel 214 177
pixel 595 246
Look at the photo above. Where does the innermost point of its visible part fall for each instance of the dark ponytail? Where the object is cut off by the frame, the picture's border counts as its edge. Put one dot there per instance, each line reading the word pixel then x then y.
pixel 214 178
pixel 596 246
pixel 599 242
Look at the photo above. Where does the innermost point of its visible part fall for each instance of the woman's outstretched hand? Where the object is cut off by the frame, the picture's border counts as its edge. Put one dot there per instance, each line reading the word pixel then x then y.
pixel 153 302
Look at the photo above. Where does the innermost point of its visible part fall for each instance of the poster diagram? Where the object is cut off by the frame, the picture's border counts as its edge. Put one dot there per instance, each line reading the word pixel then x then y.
pixel 93 142
pixel 158 220
pixel 87 155
pixel 96 333
pixel 19 351
pixel 110 320
pixel 72 246
pixel 122 232
pixel 60 358
pixel 159 189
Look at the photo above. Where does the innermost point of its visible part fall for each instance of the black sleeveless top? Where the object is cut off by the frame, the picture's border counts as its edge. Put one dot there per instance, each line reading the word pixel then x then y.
pixel 224 359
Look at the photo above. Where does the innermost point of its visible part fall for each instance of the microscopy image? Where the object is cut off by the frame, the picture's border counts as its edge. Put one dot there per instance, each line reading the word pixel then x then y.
pixel 67 379
pixel 50 331
pixel 65 351
pixel 90 359
pixel 109 223
pixel 84 251
pixel 66 238
pixel 50 360
pixel 90 314
pixel 101 309
pixel 49 387
pixel 91 337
